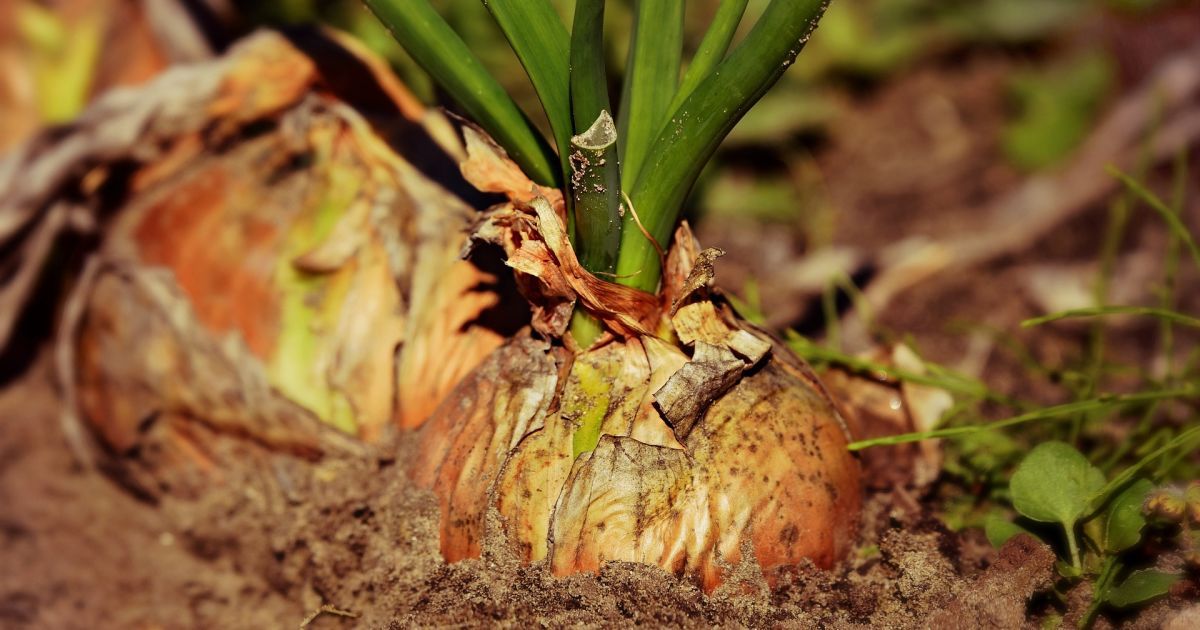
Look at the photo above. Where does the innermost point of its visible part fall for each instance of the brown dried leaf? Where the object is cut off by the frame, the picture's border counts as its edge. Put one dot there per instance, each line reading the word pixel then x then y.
pixel 683 253
pixel 538 248
pixel 688 393
pixel 877 406
pixel 700 277
pixel 489 169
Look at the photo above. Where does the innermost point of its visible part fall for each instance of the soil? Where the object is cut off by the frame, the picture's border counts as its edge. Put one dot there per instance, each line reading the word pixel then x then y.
pixel 81 552
pixel 79 549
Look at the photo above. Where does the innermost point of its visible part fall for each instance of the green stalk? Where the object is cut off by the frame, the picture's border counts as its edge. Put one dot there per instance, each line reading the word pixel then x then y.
pixel 695 130
pixel 595 171
pixel 651 79
pixel 596 188
pixel 595 181
pixel 443 54
pixel 712 48
pixel 538 37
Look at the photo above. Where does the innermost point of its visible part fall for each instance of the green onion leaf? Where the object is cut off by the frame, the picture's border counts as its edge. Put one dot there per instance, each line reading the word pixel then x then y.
pixel 443 54
pixel 712 48
pixel 595 172
pixel 692 134
pixel 537 35
pixel 651 78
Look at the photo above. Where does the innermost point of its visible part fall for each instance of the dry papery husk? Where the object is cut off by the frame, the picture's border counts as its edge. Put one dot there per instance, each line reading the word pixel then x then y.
pixel 280 285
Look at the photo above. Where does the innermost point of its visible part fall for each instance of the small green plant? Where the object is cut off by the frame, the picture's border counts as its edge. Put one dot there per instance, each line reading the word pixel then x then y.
pixel 626 177
pixel 1055 483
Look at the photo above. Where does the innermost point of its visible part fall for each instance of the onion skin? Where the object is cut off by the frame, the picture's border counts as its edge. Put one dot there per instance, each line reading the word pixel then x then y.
pixel 766 470
pixel 767 464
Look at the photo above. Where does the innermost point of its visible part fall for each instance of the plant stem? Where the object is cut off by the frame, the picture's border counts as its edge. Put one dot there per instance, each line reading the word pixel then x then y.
pixel 596 188
pixel 595 181
pixel 692 134
pixel 1073 546
pixel 443 54
pixel 651 78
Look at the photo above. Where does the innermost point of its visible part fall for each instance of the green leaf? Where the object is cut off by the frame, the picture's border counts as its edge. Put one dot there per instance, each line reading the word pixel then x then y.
pixel 595 171
pixel 651 79
pixel 1054 483
pixel 1140 587
pixel 1123 521
pixel 712 48
pixel 690 137
pixel 1182 440
pixel 1057 107
pixel 999 530
pixel 443 54
pixel 1174 223
pixel 1166 315
pixel 1067 410
pixel 537 35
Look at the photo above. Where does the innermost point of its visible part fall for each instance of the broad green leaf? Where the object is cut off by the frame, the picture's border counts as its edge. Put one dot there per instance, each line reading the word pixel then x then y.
pixel 1123 521
pixel 999 530
pixel 1054 483
pixel 1140 587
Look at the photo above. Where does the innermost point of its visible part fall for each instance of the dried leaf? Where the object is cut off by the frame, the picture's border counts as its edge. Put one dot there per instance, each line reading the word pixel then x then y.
pixel 701 275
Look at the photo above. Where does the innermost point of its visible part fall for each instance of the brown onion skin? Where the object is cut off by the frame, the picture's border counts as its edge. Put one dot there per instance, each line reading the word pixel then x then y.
pixel 766 471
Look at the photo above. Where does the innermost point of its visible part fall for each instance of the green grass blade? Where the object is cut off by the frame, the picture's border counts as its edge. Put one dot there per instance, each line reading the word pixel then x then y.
pixel 651 78
pixel 1101 311
pixel 538 37
pixel 692 134
pixel 443 54
pixel 1173 222
pixel 1048 413
pixel 712 48
pixel 938 377
pixel 1128 474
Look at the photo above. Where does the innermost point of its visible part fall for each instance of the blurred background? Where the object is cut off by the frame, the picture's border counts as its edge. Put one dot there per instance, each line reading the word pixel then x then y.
pixel 904 122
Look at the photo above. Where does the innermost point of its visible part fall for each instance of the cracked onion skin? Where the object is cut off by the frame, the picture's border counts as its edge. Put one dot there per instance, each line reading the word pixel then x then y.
pixel 765 471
